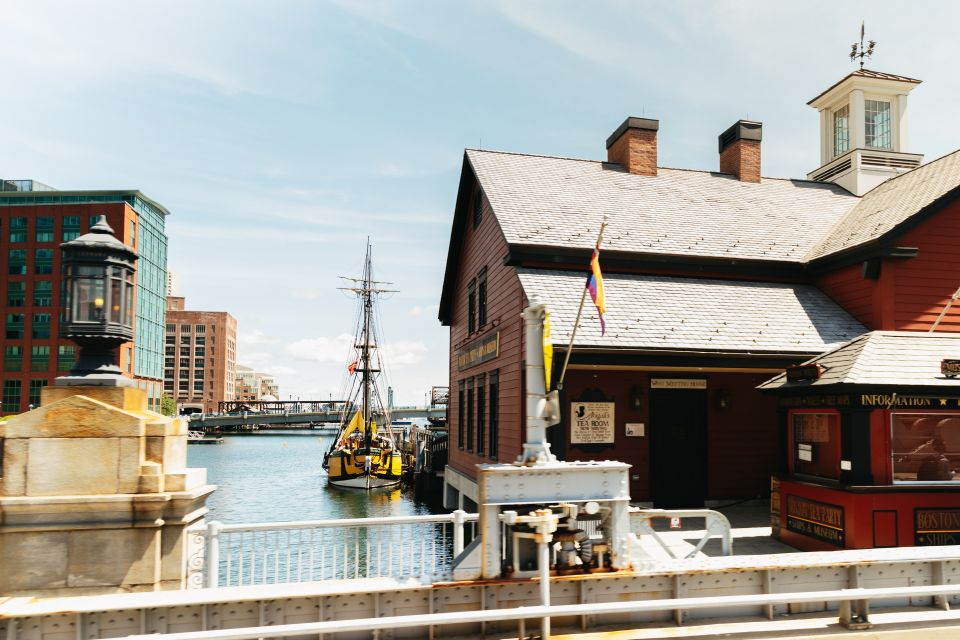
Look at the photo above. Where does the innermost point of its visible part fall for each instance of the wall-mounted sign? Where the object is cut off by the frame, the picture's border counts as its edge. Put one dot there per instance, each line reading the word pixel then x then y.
pixel 479 351
pixel 804 373
pixel 893 400
pixel 634 429
pixel 936 526
pixel 816 519
pixel 439 396
pixel 591 422
pixel 950 368
pixel 678 383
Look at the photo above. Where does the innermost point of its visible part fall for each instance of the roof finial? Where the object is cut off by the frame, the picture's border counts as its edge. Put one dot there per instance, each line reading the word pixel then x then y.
pixel 861 51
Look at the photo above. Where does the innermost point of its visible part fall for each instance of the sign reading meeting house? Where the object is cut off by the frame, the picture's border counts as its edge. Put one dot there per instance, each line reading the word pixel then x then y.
pixel 479 351
pixel 591 422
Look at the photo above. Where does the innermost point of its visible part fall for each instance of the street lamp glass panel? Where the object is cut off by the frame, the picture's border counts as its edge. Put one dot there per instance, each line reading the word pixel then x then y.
pixel 89 300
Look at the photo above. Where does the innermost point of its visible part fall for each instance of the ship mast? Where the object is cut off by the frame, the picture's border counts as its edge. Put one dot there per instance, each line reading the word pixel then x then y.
pixel 365 354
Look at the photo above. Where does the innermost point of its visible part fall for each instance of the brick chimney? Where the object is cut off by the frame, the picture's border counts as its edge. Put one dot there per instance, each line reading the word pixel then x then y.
pixel 634 145
pixel 740 150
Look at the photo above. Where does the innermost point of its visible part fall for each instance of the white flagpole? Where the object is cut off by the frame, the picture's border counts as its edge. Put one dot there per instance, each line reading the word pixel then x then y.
pixel 576 323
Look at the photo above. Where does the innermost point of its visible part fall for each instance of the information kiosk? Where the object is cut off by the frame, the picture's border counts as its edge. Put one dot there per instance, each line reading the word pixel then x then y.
pixel 872 444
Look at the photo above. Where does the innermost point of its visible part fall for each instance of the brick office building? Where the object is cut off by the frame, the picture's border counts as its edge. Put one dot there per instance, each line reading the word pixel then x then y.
pixel 715 281
pixel 34 220
pixel 200 363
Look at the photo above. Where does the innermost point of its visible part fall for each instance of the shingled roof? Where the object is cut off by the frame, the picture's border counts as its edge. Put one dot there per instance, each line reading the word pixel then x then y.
pixel 694 315
pixel 901 358
pixel 887 206
pixel 561 202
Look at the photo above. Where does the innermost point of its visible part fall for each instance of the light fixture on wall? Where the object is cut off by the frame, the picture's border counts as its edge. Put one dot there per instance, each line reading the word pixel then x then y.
pixel 636 397
pixel 722 398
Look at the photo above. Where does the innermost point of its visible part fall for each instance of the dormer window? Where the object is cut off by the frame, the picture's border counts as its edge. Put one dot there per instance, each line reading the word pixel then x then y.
pixel 877 131
pixel 841 130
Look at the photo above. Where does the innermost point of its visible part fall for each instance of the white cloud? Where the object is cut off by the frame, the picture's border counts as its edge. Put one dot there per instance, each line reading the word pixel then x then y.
pixel 404 353
pixel 255 337
pixel 321 349
pixel 415 311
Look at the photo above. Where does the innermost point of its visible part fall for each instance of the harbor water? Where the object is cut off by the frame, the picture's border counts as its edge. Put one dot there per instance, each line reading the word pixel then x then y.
pixel 277 476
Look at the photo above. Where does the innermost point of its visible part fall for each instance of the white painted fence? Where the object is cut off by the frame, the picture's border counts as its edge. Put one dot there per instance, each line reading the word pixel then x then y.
pixel 420 547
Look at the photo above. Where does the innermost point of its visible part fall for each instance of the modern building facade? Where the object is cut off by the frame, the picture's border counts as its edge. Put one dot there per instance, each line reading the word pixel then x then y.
pixel 715 281
pixel 255 385
pixel 34 220
pixel 200 363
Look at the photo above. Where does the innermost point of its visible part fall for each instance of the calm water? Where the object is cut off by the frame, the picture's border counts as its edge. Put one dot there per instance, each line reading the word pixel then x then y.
pixel 278 476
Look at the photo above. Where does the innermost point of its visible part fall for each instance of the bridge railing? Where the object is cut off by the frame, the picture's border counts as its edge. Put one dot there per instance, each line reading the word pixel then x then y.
pixel 421 547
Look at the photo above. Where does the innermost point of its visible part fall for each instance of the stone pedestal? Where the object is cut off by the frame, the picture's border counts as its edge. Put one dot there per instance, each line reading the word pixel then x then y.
pixel 95 496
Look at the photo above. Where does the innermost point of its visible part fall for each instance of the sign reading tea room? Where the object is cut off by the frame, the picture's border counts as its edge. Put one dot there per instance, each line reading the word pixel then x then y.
pixel 591 422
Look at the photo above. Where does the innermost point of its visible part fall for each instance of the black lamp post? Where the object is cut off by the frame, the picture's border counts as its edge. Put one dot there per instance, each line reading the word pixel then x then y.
pixel 98 286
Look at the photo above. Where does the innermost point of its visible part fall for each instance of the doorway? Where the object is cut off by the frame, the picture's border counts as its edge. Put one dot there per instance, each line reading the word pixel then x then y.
pixel 678 446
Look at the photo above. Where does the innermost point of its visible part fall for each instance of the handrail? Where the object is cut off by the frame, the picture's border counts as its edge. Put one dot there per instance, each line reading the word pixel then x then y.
pixel 345 522
pixel 521 613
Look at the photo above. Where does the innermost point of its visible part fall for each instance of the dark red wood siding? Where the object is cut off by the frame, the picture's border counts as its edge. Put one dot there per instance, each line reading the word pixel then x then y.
pixel 848 288
pixel 485 246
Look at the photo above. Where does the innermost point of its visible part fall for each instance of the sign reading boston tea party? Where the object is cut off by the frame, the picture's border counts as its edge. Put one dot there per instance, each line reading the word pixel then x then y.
pixel 479 351
pixel 816 519
pixel 934 527
pixel 591 422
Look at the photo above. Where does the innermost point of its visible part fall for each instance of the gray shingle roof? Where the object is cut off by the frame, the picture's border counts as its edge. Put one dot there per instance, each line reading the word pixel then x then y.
pixel 694 315
pixel 891 203
pixel 561 202
pixel 902 358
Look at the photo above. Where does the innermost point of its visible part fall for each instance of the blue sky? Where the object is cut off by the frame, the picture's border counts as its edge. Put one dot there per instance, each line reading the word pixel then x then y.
pixel 282 134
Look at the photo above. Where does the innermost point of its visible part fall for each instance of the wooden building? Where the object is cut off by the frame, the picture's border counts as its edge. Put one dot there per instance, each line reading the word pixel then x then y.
pixel 715 281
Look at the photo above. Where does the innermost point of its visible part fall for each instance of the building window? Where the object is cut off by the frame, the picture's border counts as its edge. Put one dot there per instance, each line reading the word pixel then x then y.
pixel 11 396
pixel 470 407
pixel 185 328
pixel 198 386
pixel 481 381
pixel 14 326
pixel 183 385
pixel 42 293
pixel 17 262
pixel 168 362
pixel 71 228
pixel 66 357
pixel 44 231
pixel 925 447
pixel 133 233
pixel 184 363
pixel 477 208
pixel 185 351
pixel 39 358
pixel 184 339
pixel 199 351
pixel 460 412
pixel 171 339
pixel 184 374
pixel 18 229
pixel 34 397
pixel 171 328
pixel 482 298
pixel 198 363
pixel 168 374
pixel 16 293
pixel 200 340
pixel 12 358
pixel 493 399
pixel 198 374
pixel 472 306
pixel 43 261
pixel 877 132
pixel 200 329
pixel 816 443
pixel 93 219
pixel 841 130
pixel 40 327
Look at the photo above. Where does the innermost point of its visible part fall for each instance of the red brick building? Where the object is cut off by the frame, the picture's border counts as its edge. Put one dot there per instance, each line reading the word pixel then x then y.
pixel 715 281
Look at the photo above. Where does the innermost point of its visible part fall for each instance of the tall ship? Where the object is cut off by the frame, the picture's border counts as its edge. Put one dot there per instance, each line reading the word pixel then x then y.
pixel 365 454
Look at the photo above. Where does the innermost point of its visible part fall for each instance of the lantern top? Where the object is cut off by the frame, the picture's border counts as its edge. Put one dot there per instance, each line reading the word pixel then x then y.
pixel 100 236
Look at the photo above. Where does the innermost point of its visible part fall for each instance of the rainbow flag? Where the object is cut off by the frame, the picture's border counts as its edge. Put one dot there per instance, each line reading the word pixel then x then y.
pixel 595 287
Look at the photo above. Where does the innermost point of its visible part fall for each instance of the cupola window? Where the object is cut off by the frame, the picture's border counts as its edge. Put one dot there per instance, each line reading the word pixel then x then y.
pixel 841 130
pixel 877 132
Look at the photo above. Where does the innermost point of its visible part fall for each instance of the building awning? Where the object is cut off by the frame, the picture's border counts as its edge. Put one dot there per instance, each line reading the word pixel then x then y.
pixel 883 358
pixel 693 315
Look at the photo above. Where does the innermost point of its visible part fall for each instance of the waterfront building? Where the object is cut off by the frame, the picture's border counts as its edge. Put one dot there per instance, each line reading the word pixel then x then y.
pixel 34 219
pixel 715 281
pixel 200 364
pixel 255 385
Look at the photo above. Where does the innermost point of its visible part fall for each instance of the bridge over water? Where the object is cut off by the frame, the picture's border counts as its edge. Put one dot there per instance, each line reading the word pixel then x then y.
pixel 298 412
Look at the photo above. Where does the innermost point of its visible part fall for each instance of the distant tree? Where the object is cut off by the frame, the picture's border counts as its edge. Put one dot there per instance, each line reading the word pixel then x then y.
pixel 167 406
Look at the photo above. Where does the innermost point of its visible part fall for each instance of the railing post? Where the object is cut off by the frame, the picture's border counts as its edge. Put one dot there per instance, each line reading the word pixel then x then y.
pixel 459 517
pixel 212 545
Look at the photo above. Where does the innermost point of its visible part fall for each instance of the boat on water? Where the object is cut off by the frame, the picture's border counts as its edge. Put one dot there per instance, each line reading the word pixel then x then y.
pixel 365 454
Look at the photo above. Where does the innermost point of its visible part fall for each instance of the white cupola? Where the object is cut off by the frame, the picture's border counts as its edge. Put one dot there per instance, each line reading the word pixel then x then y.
pixel 863 130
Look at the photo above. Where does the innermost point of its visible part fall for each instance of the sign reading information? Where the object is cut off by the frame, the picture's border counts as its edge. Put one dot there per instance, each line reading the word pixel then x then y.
pixel 816 519
pixel 936 527
pixel 479 351
pixel 591 422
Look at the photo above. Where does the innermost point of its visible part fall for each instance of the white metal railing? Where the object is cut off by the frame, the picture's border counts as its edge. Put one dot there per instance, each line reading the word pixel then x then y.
pixel 420 547
pixel 715 524
pixel 848 598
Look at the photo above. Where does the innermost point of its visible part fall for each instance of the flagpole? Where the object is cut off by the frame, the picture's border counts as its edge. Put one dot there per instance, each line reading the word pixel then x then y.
pixel 576 323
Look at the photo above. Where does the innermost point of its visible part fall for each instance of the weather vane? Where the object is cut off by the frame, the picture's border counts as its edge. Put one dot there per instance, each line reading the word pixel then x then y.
pixel 861 51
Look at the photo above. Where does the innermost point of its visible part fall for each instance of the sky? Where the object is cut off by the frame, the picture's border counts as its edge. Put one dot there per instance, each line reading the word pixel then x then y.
pixel 283 134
